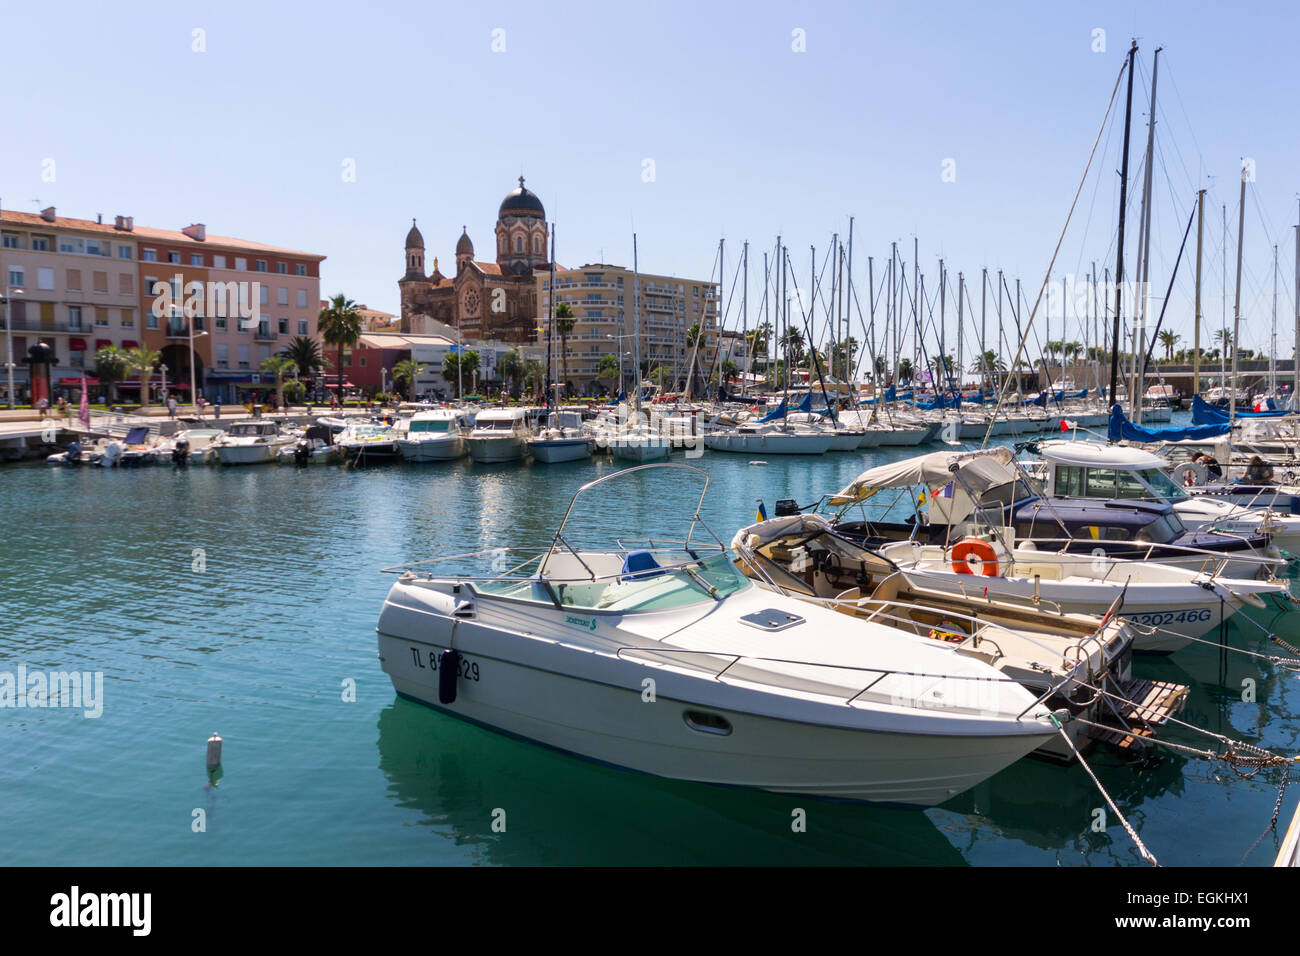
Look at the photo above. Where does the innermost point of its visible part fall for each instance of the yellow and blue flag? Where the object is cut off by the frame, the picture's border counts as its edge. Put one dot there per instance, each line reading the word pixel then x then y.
pixel 762 512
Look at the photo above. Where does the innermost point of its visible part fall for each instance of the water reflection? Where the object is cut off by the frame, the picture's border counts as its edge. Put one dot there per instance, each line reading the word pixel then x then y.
pixel 562 810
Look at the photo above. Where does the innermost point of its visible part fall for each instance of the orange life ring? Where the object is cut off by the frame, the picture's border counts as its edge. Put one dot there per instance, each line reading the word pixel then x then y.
pixel 981 549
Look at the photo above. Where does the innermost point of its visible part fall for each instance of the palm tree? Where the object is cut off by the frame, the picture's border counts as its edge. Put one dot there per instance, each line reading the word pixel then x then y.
pixel 407 371
pixel 988 363
pixel 305 353
pixel 143 360
pixel 756 341
pixel 278 366
pixel 1168 339
pixel 340 325
pixel 111 367
pixel 792 343
pixel 564 322
pixel 905 370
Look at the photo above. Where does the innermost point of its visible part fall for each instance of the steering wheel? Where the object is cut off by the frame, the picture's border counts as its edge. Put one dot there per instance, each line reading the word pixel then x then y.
pixel 828 562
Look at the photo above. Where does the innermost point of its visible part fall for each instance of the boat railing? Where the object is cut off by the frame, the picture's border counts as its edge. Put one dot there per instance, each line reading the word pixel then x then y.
pixel 1144 551
pixel 503 570
pixel 732 658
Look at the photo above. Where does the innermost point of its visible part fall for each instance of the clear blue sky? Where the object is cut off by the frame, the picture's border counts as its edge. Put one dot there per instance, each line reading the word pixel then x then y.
pixel 748 137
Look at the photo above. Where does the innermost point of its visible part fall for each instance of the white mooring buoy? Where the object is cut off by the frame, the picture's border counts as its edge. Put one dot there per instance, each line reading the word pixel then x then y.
pixel 758 463
pixel 214 751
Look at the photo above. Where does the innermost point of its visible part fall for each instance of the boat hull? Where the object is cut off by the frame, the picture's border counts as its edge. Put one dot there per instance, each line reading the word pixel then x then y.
pixel 497 449
pixel 443 449
pixel 556 451
pixel 609 721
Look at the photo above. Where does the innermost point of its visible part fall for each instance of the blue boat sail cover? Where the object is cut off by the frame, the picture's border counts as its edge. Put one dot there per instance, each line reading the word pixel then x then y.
pixel 1122 428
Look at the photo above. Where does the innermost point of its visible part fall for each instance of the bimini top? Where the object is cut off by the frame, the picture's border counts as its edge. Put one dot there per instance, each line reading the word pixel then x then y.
pixel 1097 455
pixel 980 470
pixel 501 415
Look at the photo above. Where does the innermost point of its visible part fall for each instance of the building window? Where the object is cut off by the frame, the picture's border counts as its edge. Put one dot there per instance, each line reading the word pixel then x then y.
pixel 124 252
pixel 221 322
pixel 128 318
pixel 196 259
pixel 281 268
pixel 74 318
pixel 264 294
pixel 95 248
pixel 302 270
pixel 151 319
pixel 302 326
pixel 40 243
pixel 100 281
pixel 174 258
pixel 218 262
pixel 241 264
pixel 45 280
pixel 361 362
pixel 16 277
pixel 284 326
pixel 281 296
pixel 125 284
pixel 72 244
pixel 302 298
pixel 148 255
pixel 11 241
pixel 519 243
pixel 243 356
pixel 101 318
pixel 261 265
pixel 73 279
pixel 223 356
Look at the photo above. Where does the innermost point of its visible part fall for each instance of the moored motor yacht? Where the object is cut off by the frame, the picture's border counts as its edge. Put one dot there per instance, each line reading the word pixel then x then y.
pixel 561 439
pixel 499 434
pixel 435 435
pixel 254 441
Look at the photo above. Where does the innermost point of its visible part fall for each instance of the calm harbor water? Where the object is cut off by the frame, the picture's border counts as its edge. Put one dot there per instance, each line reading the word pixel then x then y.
pixel 99 575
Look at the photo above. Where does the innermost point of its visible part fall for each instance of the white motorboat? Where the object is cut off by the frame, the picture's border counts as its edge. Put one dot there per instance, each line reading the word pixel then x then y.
pixel 671 662
pixel 499 434
pixel 1095 470
pixel 255 441
pixel 435 435
pixel 368 441
pixel 194 446
pixel 561 439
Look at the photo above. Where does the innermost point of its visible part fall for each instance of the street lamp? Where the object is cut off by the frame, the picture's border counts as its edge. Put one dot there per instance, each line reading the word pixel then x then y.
pixel 163 368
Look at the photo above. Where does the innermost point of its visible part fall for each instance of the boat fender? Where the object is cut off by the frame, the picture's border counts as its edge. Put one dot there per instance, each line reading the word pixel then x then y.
pixel 1188 474
pixel 448 670
pixel 967 548
pixel 1247 597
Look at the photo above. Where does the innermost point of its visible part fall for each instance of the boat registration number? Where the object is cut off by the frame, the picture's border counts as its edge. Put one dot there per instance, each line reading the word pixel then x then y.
pixel 1161 618
pixel 429 660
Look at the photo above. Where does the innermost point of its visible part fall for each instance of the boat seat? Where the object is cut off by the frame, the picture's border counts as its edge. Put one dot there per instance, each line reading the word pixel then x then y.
pixel 640 564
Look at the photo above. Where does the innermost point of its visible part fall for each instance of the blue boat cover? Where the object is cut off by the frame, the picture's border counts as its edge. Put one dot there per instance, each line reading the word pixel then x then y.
pixel 1122 428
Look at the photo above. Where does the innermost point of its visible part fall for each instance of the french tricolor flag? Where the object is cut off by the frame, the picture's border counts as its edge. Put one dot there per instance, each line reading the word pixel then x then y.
pixel 1067 425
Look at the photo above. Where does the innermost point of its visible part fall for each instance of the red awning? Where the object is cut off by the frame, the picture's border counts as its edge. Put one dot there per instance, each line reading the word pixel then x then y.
pixel 130 344
pixel 77 345
pixel 336 385
pixel 102 344
pixel 89 380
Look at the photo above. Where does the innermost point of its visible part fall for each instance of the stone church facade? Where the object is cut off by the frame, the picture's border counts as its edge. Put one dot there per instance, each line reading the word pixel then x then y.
pixel 485 300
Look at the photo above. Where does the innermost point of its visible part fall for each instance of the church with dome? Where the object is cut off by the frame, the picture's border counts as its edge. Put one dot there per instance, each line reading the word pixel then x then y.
pixel 489 300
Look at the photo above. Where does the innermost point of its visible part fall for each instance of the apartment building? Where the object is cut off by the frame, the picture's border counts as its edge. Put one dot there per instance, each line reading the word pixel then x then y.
pixel 601 297
pixel 79 285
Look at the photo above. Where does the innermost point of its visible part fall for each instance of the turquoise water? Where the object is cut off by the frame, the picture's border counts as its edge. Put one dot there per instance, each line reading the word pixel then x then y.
pixel 99 576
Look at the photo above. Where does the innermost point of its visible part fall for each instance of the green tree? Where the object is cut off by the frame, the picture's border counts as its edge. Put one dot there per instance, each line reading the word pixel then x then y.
pixel 510 366
pixel 340 325
pixel 456 368
pixel 1168 339
pixel 111 366
pixel 609 371
pixel 143 360
pixel 535 376
pixel 792 346
pixel 905 370
pixel 279 366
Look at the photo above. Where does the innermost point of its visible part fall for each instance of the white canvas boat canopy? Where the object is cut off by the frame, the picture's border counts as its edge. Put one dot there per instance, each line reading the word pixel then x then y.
pixel 980 471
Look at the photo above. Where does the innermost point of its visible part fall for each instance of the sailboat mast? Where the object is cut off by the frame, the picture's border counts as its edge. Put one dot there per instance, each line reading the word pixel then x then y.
pixel 744 315
pixel 1236 303
pixel 550 328
pixel 1119 255
pixel 1196 338
pixel 1295 360
pixel 636 330
pixel 1143 292
pixel 1272 353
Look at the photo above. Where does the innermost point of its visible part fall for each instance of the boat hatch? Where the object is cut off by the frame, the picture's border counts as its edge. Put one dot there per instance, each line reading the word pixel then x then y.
pixel 770 619
pixel 707 723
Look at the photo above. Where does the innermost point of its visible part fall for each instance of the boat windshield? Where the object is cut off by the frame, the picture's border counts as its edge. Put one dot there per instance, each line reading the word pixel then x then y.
pixel 1163 485
pixel 1149 484
pixel 656 589
pixel 499 425
pixel 431 426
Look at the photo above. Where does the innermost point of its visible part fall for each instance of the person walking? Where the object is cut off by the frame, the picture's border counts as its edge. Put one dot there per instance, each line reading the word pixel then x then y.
pixel 171 406
pixel 43 406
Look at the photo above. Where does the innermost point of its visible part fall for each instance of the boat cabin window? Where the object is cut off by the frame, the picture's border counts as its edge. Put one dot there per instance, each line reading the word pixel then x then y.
pixel 1162 484
pixel 499 425
pixel 1161 531
pixel 431 426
